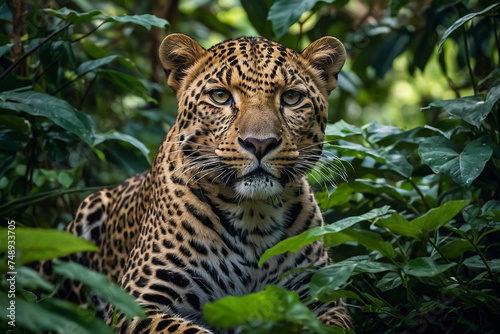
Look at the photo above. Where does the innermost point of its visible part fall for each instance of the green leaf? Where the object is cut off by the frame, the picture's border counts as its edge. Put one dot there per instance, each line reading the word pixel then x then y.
pixel 284 13
pixel 115 135
pixel 58 111
pixel 55 315
pixel 396 5
pixel 266 309
pixel 475 263
pixel 145 20
pixel 92 65
pixel 399 225
pixel 330 278
pixel 293 244
pixel 463 167
pixel 390 49
pixel 425 267
pixel 341 129
pixel 101 285
pixel 370 240
pixel 470 109
pixel 437 217
pixel 36 244
pixel 29 278
pixel 73 16
pixel 456 248
pixel 127 83
pixel 420 227
pixel 390 281
pixel 257 11
pixel 461 21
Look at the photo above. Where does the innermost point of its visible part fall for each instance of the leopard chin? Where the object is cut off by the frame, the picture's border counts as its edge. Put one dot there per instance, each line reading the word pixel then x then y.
pixel 258 187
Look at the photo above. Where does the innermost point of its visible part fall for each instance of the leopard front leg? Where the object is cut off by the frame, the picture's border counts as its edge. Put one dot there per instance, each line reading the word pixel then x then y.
pixel 155 322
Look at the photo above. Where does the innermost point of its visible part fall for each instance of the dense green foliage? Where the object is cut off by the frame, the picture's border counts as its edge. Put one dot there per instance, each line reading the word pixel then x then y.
pixel 413 215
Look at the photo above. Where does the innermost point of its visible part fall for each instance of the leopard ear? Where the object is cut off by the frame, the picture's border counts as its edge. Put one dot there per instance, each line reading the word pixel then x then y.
pixel 325 57
pixel 178 52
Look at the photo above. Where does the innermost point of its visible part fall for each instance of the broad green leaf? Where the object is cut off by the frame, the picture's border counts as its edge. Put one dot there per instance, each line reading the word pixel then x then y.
pixel 101 285
pixel 115 135
pixel 145 20
pixel 399 225
pixel 470 109
pixel 349 82
pixel 329 279
pixel 127 83
pixel 425 267
pixel 72 16
pixel 341 129
pixel 92 65
pixel 257 11
pixel 390 49
pixel 284 13
pixel 456 248
pixel 464 167
pixel 461 21
pixel 36 244
pixel 475 263
pixel 390 281
pixel 293 244
pixel 491 100
pixel 370 240
pixel 29 278
pixel 55 315
pixel 31 199
pixel 437 217
pixel 341 293
pixel 273 305
pixel 58 111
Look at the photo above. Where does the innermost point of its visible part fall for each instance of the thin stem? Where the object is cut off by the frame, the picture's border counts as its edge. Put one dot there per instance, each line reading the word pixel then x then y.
pixel 419 192
pixel 467 55
pixel 87 92
pixel 29 52
pixel 497 39
pixel 88 34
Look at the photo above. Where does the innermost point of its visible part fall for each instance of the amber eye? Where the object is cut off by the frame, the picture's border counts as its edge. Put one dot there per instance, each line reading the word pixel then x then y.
pixel 291 98
pixel 220 96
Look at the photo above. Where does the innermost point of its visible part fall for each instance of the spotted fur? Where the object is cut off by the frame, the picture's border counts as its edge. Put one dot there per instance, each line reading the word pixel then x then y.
pixel 228 182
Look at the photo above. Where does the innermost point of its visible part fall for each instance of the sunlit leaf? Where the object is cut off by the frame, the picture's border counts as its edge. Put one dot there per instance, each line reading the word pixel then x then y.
pixel 145 20
pixel 272 308
pixel 115 135
pixel 293 244
pixel 370 240
pixel 36 244
pixel 461 21
pixel 443 156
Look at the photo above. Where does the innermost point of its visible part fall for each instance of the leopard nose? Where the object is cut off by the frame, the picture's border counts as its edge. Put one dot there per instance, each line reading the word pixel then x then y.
pixel 259 147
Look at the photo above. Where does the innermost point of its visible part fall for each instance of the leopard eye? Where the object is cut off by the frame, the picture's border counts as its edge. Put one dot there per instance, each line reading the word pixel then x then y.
pixel 220 96
pixel 291 98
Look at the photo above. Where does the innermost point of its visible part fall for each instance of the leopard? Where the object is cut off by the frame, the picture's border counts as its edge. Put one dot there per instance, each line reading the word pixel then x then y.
pixel 229 181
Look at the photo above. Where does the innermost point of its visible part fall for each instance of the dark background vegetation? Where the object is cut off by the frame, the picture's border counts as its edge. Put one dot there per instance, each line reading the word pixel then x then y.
pixel 413 224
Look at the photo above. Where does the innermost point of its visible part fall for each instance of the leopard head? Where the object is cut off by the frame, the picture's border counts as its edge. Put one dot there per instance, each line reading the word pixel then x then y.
pixel 251 112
